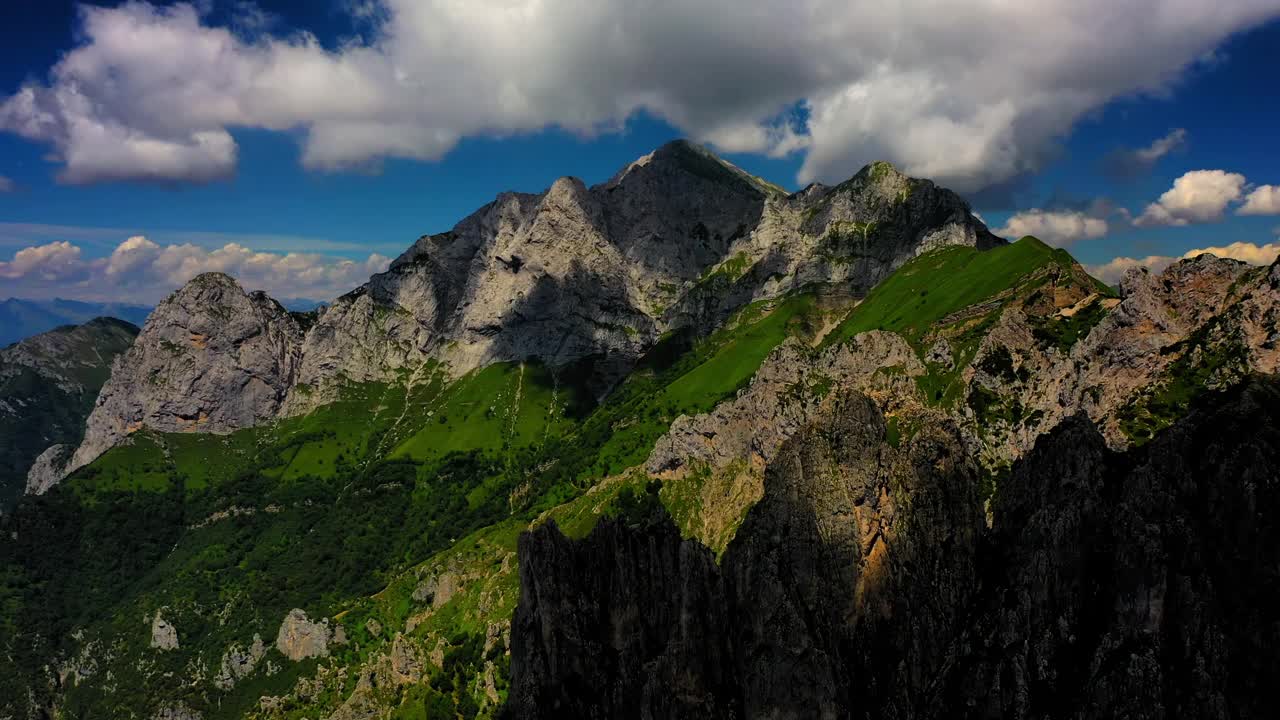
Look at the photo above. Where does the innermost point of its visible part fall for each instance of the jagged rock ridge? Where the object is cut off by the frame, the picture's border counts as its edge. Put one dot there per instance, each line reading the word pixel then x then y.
pixel 676 239
pixel 1205 320
pixel 865 584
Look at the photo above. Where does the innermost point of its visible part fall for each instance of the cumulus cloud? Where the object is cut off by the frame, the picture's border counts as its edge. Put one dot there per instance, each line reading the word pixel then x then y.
pixel 1197 197
pixel 1127 164
pixel 1111 272
pixel 973 101
pixel 1264 200
pixel 139 269
pixel 6 185
pixel 1056 227
pixel 56 261
pixel 1246 251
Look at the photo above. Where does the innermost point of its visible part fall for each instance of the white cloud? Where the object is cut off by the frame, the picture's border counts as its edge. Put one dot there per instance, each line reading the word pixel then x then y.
pixel 139 269
pixel 1246 251
pixel 1134 163
pixel 1149 155
pixel 1264 200
pixel 1111 272
pixel 6 185
pixel 56 261
pixel 972 101
pixel 1056 227
pixel 1197 197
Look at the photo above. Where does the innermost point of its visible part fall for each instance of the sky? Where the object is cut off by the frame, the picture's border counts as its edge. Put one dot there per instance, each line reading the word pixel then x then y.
pixel 300 145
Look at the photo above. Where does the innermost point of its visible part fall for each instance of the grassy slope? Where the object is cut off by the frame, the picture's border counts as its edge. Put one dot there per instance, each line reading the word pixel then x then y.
pixel 929 288
pixel 957 293
pixel 322 510
pixel 505 403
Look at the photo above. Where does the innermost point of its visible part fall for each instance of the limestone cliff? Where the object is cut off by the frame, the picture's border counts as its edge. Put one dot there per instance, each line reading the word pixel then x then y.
pixel 678 238
pixel 1204 322
pixel 865 584
pixel 211 358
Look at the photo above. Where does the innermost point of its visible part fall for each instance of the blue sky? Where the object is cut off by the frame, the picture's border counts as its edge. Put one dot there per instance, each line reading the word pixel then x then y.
pixel 282 188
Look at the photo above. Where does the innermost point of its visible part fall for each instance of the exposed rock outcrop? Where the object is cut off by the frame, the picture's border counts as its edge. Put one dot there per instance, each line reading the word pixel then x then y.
pixel 1138 585
pixel 866 584
pixel 300 638
pixel 179 711
pixel 48 469
pixel 211 358
pixel 834 568
pixel 164 636
pixel 238 663
pixel 1210 318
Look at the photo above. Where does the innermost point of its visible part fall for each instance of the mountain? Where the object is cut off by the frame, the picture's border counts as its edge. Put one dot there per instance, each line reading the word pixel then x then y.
pixel 21 319
pixel 211 358
pixel 675 242
pixel 47 388
pixel 676 445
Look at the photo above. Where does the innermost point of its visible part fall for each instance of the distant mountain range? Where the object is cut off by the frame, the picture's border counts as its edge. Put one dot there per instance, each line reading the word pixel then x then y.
pixel 21 318
pixel 48 384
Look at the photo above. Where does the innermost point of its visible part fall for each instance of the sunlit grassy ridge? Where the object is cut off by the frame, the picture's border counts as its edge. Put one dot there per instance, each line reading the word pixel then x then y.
pixel 503 404
pixel 958 293
pixel 927 289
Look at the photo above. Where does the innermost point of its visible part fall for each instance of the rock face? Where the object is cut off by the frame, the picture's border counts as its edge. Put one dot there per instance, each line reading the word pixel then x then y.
pixel 834 569
pixel 48 384
pixel 866 584
pixel 164 636
pixel 211 358
pixel 176 712
pixel 238 663
pixel 678 238
pixel 1209 319
pixel 300 638
pixel 47 469
pixel 1138 585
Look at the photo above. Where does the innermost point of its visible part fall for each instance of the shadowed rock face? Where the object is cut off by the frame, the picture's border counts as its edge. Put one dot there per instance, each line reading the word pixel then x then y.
pixel 835 567
pixel 48 383
pixel 1143 585
pixel 865 584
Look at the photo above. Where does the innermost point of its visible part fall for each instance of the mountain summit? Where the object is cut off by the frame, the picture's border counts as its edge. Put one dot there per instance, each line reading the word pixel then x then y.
pixel 677 240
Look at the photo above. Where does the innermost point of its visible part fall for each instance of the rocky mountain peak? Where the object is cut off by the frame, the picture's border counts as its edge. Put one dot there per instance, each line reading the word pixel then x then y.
pixel 677 239
pixel 685 158
pixel 211 358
